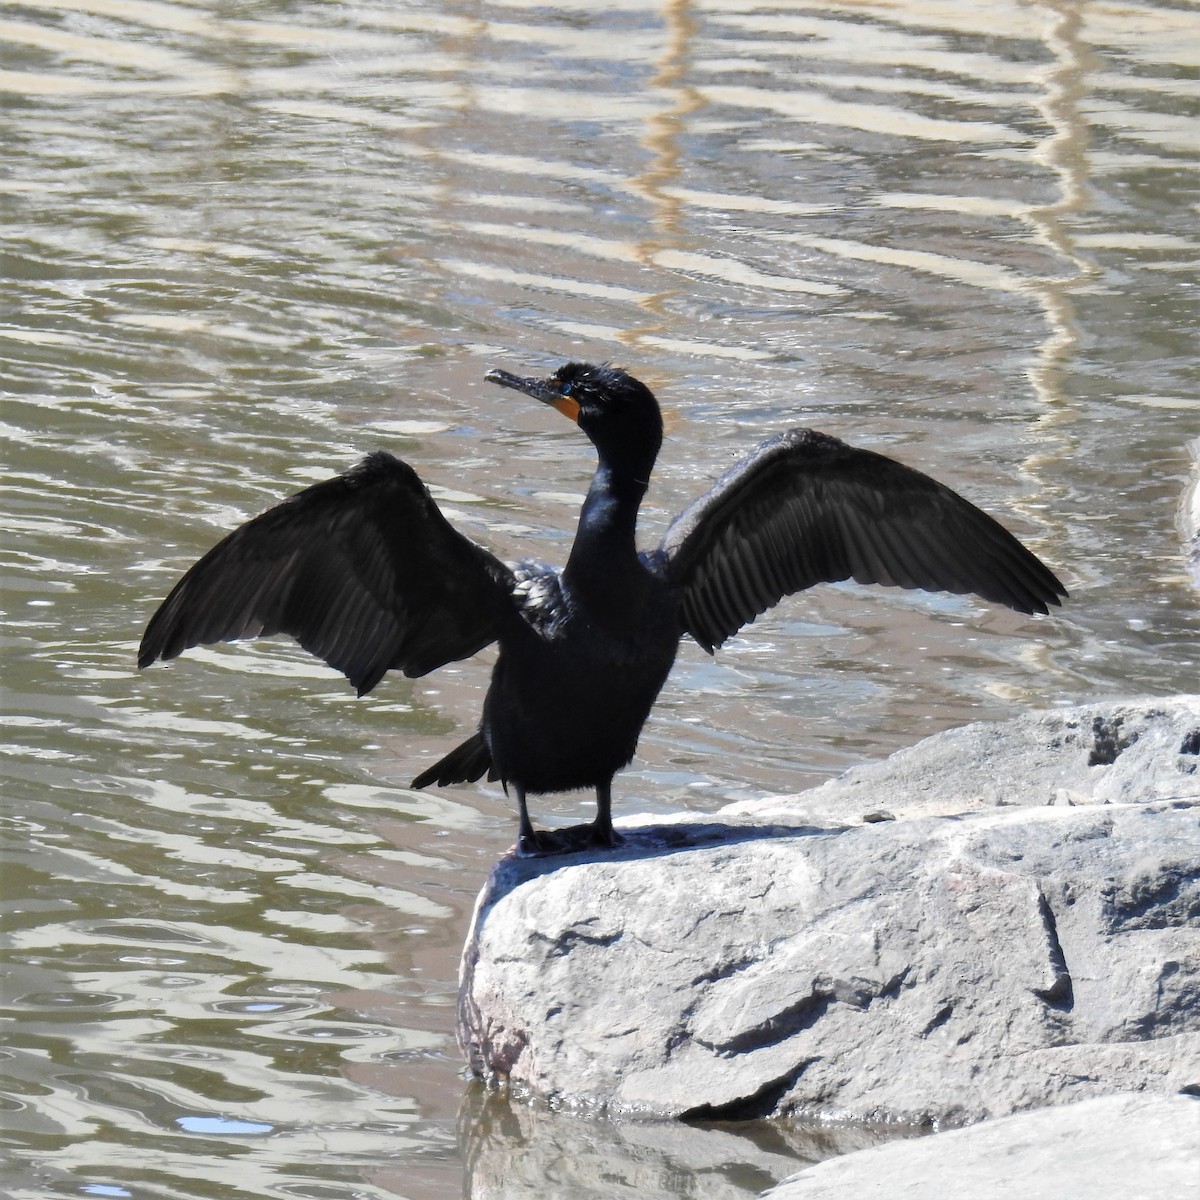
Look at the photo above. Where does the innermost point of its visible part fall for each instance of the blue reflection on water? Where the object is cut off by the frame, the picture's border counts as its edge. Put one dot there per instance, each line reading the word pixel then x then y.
pixel 222 1125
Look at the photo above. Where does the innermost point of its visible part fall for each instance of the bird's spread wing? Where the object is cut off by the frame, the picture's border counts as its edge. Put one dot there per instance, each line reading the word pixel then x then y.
pixel 362 570
pixel 805 508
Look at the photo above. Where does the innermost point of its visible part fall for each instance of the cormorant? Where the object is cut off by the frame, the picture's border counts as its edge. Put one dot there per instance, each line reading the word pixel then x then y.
pixel 367 574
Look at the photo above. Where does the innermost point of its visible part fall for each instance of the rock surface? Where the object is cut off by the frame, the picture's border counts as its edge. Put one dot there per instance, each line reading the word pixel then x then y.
pixel 1189 516
pixel 1107 753
pixel 1041 945
pixel 1116 1148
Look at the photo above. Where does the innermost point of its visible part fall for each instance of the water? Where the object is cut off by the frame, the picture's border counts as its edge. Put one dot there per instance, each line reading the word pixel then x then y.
pixel 244 244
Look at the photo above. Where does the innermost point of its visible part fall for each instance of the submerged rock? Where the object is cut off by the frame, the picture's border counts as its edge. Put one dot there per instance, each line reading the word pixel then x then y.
pixel 1025 933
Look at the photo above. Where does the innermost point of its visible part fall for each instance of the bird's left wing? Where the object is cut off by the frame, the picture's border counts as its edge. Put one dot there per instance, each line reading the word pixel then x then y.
pixel 362 570
pixel 806 508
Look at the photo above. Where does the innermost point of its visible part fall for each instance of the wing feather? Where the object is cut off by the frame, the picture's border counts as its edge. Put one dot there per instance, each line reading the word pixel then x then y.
pixel 362 570
pixel 806 508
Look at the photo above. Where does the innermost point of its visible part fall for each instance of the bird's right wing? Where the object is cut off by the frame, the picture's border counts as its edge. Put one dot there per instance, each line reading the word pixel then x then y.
pixel 362 570
pixel 806 508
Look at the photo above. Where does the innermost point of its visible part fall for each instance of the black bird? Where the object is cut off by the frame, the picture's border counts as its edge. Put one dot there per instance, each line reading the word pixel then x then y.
pixel 365 572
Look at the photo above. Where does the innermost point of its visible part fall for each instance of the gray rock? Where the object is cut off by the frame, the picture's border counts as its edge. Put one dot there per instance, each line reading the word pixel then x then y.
pixel 1189 516
pixel 1039 946
pixel 1130 1147
pixel 1105 753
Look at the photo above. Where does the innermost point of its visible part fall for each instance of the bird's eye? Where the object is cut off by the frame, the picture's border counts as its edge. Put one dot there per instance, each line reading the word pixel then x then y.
pixel 564 389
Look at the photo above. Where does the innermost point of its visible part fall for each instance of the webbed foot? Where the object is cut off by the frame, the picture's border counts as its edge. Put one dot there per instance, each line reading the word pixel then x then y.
pixel 574 839
pixel 533 845
pixel 603 837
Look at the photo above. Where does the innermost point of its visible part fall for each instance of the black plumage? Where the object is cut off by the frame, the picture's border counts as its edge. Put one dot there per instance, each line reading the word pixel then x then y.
pixel 365 572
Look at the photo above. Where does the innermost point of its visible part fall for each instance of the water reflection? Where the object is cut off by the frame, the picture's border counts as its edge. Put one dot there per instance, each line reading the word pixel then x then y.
pixel 242 247
pixel 516 1149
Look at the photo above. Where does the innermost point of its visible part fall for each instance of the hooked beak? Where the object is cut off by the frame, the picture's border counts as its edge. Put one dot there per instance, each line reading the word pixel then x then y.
pixel 545 390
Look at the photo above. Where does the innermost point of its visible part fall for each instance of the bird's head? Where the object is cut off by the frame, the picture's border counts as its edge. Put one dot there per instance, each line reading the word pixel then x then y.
pixel 617 412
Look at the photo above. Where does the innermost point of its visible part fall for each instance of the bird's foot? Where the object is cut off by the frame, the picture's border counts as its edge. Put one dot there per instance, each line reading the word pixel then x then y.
pixel 572 840
pixel 534 845
pixel 603 837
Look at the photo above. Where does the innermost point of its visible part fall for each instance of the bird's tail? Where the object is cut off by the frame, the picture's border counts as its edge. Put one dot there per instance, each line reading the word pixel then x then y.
pixel 464 764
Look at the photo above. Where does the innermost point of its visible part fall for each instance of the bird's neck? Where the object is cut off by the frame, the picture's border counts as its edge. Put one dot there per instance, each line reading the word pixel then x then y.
pixel 605 548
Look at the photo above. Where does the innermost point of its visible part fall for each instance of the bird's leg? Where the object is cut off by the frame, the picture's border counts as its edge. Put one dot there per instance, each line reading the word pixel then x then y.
pixel 603 834
pixel 600 834
pixel 528 842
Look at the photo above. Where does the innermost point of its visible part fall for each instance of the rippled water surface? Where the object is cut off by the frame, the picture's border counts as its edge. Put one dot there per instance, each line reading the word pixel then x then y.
pixel 245 243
